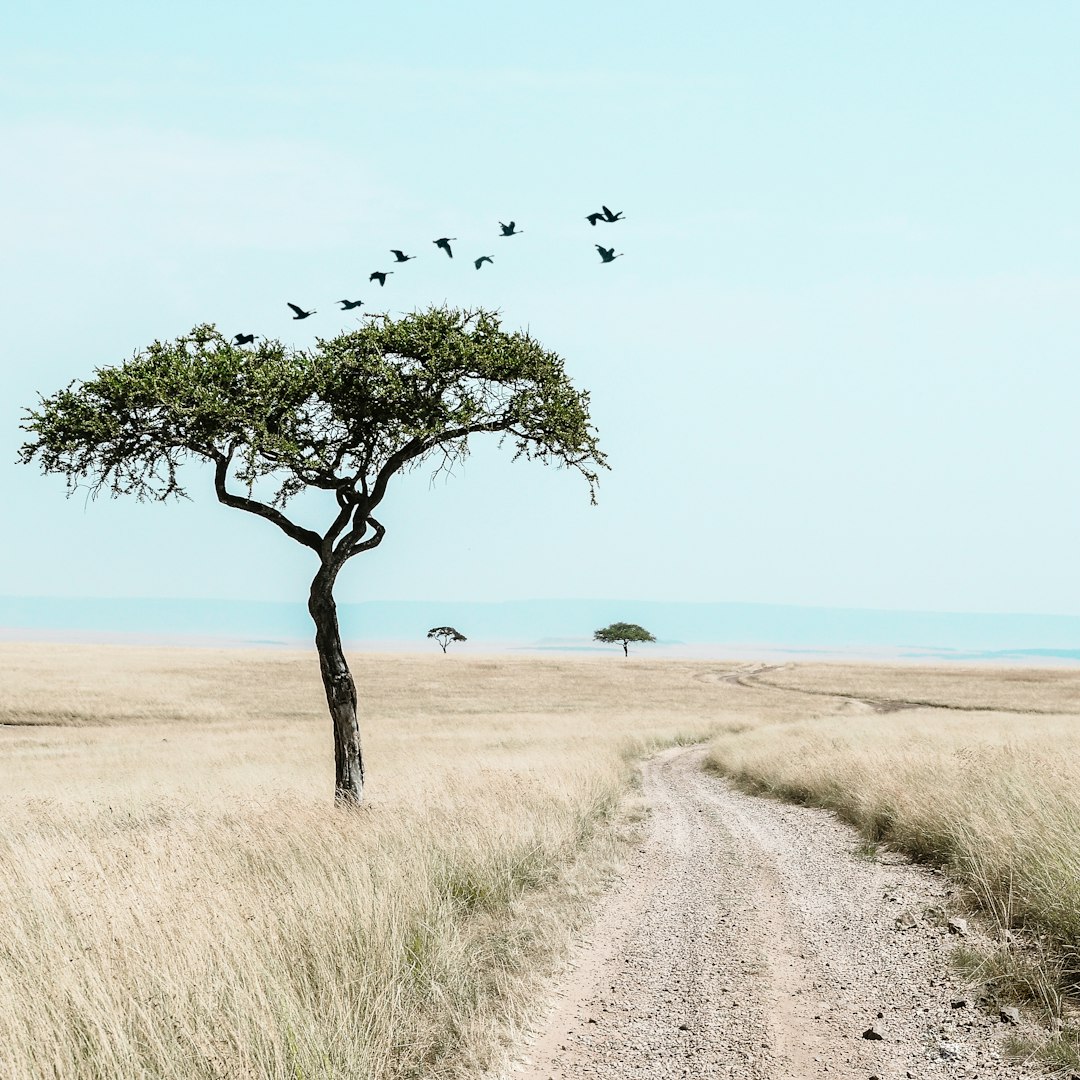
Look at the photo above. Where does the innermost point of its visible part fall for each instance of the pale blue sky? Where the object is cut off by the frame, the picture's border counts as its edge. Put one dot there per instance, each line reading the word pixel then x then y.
pixel 839 363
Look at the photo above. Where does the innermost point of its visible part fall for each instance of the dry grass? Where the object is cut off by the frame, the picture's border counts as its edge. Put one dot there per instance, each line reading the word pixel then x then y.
pixel 992 796
pixel 182 900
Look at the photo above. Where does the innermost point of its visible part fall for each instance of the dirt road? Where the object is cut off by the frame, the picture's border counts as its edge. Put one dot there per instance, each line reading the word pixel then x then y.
pixel 749 939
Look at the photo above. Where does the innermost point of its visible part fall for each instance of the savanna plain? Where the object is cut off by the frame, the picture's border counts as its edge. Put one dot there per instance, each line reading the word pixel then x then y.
pixel 182 899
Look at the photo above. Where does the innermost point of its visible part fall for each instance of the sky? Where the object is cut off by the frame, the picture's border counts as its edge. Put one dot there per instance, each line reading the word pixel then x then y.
pixel 838 363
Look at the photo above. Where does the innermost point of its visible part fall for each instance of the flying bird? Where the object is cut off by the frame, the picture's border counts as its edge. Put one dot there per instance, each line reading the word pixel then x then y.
pixel 380 276
pixel 483 259
pixel 607 254
pixel 444 243
pixel 243 339
pixel 510 230
pixel 607 215
pixel 300 312
pixel 400 256
pixel 348 305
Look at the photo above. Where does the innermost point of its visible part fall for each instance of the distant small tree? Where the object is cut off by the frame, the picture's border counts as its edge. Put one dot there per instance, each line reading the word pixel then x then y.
pixel 622 633
pixel 444 635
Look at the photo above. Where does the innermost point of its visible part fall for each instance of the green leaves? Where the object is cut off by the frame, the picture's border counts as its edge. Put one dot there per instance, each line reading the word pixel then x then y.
pixel 344 416
pixel 620 633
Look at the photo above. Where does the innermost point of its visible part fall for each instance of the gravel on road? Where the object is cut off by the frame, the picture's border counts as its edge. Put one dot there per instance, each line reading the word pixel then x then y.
pixel 749 939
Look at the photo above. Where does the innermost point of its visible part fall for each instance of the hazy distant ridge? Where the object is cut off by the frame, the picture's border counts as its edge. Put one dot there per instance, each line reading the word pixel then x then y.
pixel 533 622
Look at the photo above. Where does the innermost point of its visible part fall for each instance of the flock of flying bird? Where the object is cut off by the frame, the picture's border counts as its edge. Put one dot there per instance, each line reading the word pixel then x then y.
pixel 607 255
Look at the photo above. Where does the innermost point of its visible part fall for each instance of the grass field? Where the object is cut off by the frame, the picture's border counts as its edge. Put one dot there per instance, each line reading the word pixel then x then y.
pixel 987 787
pixel 182 899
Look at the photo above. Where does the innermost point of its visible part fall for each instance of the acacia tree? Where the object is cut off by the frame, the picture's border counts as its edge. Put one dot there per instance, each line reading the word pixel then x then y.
pixel 444 635
pixel 622 633
pixel 344 417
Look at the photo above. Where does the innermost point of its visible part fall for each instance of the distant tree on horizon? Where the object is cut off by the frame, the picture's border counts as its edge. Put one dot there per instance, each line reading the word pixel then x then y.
pixel 622 633
pixel 342 418
pixel 444 635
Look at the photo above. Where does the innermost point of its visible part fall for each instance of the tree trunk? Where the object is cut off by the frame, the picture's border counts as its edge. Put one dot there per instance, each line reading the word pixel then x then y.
pixel 625 649
pixel 340 691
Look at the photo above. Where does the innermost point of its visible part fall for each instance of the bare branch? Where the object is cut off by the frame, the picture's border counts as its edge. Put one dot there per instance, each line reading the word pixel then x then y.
pixel 350 505
pixel 396 460
pixel 253 506
pixel 373 541
pixel 415 447
pixel 352 543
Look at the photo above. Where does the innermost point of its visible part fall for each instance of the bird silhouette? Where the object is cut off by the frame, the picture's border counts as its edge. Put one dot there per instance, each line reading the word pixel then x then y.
pixel 348 305
pixel 607 215
pixel 300 312
pixel 380 276
pixel 607 254
pixel 510 230
pixel 400 256
pixel 444 243
pixel 243 339
pixel 483 259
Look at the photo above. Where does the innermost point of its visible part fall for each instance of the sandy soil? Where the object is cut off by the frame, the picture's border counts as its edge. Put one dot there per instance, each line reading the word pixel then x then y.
pixel 750 939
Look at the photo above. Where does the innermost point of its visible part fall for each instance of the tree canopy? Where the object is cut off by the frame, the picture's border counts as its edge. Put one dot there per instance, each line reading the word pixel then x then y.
pixel 622 633
pixel 444 635
pixel 344 417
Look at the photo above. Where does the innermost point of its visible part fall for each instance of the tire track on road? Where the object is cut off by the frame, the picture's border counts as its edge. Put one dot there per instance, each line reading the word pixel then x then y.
pixel 747 941
pixel 751 679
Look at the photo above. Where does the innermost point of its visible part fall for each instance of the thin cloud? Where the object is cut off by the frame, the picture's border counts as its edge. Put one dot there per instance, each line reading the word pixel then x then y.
pixel 131 189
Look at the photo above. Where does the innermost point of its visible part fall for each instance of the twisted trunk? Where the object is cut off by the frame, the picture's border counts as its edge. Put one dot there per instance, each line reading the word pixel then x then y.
pixel 340 690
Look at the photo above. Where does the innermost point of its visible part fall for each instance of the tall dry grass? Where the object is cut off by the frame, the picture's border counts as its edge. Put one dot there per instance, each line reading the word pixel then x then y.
pixel 181 899
pixel 992 796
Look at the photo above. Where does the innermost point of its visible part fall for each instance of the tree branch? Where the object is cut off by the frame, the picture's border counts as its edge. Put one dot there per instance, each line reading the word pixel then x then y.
pixel 415 447
pixel 349 505
pixel 374 541
pixel 350 544
pixel 253 506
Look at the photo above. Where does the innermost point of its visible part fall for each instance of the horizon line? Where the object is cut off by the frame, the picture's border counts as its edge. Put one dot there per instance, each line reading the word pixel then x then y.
pixel 557 600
